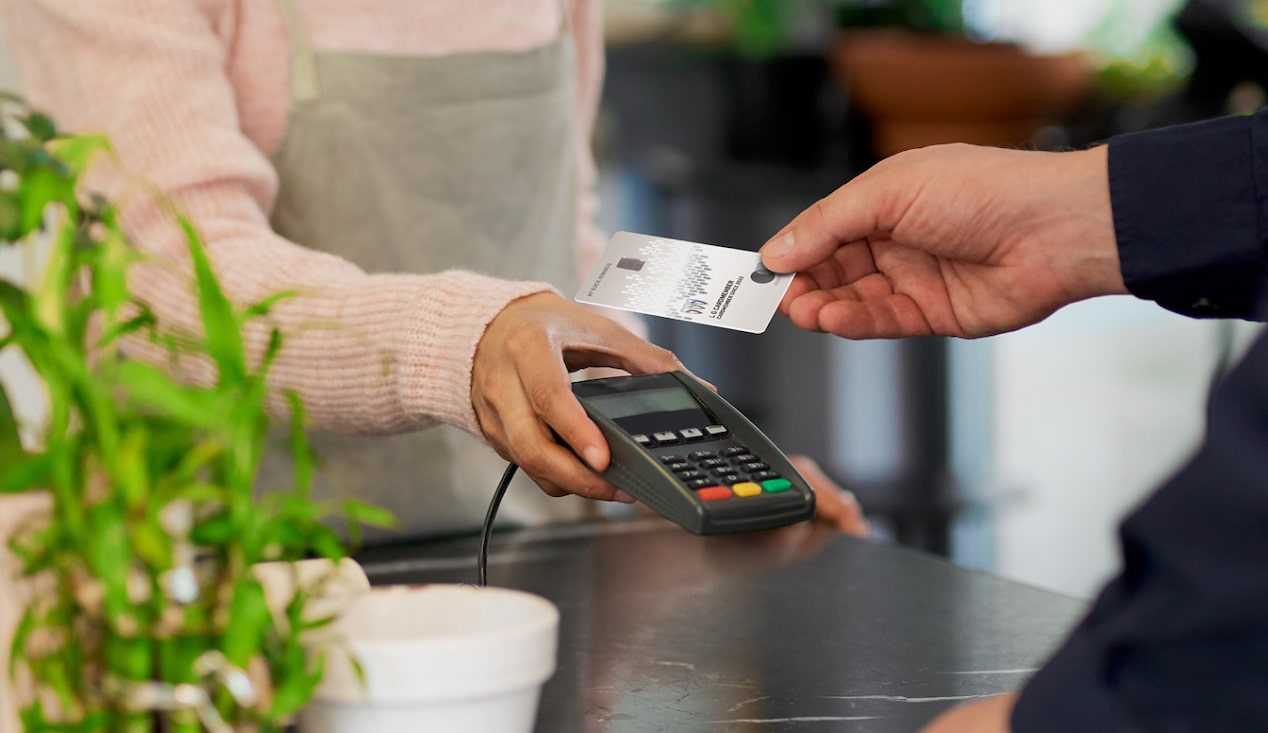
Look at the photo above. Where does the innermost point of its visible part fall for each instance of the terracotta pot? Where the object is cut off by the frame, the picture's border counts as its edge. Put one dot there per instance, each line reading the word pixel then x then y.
pixel 922 90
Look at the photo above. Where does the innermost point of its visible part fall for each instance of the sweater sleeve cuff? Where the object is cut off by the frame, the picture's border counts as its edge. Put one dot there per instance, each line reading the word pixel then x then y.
pixel 1188 215
pixel 435 374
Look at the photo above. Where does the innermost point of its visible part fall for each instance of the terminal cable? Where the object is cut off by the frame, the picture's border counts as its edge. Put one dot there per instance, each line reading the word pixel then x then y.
pixel 482 560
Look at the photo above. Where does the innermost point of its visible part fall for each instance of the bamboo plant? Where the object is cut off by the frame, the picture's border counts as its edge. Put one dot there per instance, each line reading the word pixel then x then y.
pixel 151 618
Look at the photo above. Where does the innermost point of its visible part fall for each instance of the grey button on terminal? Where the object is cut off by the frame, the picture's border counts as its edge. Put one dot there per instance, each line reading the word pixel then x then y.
pixel 665 437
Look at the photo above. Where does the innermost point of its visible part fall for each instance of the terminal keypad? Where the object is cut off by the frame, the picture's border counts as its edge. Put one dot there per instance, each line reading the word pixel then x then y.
pixel 724 472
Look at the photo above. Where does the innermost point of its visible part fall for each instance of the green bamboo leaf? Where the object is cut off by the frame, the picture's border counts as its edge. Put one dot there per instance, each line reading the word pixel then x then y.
pixel 52 296
pixel 247 430
pixel 77 151
pixel 248 619
pixel 144 319
pixel 11 451
pixel 196 455
pixel 40 126
pixel 109 555
pixel 265 306
pixel 15 304
pixel 17 648
pixel 10 217
pixel 177 656
pixel 93 722
pixel 28 154
pixel 37 188
pixel 217 530
pixel 282 532
pixel 129 470
pixel 64 456
pixel 96 404
pixel 33 472
pixel 326 542
pixel 15 154
pixel 368 514
pixel 270 355
pixel 167 443
pixel 152 544
pixel 202 493
pixel 297 689
pixel 150 386
pixel 130 657
pixel 55 676
pixel 109 265
pixel 301 450
pixel 33 719
pixel 78 318
pixel 220 325
pixel 316 623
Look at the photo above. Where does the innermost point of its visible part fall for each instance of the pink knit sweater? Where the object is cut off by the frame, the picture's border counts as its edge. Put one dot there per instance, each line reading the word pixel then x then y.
pixel 194 95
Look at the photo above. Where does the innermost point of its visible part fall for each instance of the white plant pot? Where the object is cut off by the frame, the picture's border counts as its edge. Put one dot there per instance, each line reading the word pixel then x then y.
pixel 437 658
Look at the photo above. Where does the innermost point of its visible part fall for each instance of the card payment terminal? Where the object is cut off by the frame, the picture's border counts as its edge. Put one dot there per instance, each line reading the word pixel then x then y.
pixel 688 454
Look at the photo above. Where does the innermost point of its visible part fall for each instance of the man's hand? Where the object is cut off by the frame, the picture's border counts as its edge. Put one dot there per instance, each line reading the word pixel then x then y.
pixel 952 240
pixel 982 716
pixel 521 391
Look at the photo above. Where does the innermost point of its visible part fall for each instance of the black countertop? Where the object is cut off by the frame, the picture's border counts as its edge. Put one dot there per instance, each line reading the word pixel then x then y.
pixel 798 629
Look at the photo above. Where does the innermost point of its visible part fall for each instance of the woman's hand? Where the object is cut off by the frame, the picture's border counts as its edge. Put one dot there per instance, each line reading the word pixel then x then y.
pixel 523 397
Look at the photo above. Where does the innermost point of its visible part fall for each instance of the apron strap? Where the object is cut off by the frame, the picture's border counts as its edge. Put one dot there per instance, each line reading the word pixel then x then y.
pixel 304 82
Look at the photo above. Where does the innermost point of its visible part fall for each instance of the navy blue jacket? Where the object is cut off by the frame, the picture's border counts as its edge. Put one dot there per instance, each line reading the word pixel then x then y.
pixel 1179 640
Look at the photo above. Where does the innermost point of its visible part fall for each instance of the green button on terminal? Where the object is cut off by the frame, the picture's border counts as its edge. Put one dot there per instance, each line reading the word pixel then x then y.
pixel 776 484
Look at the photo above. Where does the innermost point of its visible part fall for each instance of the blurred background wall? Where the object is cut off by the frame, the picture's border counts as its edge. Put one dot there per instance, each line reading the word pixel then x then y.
pixel 724 118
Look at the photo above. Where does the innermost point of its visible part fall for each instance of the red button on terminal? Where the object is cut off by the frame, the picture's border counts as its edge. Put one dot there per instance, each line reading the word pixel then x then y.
pixel 713 493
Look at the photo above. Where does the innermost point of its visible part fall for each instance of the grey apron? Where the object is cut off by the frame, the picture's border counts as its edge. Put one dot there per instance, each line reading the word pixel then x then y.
pixel 422 164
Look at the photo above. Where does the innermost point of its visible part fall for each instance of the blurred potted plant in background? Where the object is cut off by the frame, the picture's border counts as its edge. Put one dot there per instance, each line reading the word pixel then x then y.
pixel 755 29
pixel 146 614
pixel 913 71
pixel 928 17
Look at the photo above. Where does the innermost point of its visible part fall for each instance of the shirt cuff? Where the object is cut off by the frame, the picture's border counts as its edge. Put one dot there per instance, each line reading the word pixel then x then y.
pixel 1189 217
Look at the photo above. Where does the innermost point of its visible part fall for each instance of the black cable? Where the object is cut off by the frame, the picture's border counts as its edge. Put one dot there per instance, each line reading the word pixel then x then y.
pixel 483 560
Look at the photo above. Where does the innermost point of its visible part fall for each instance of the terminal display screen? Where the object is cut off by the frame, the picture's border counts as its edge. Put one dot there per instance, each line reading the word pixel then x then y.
pixel 652 410
pixel 643 402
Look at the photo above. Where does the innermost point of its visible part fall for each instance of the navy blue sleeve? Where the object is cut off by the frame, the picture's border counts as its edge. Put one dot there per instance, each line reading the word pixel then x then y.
pixel 1179 640
pixel 1191 215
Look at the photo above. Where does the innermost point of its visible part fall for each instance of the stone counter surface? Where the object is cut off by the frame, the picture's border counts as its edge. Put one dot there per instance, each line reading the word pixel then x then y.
pixel 799 629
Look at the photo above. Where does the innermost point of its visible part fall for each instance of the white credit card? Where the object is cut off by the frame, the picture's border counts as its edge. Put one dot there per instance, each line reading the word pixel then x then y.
pixel 688 281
